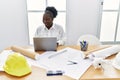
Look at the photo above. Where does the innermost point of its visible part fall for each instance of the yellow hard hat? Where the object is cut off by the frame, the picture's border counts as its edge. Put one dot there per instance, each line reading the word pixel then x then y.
pixel 16 65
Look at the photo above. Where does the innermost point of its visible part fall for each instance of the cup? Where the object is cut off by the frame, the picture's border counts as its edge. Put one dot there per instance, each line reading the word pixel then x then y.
pixel 84 46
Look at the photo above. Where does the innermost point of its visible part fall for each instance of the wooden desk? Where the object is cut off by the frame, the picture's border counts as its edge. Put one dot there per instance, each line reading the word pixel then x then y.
pixel 90 74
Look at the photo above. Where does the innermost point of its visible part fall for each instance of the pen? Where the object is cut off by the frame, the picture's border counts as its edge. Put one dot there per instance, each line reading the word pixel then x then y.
pixel 71 62
pixel 83 43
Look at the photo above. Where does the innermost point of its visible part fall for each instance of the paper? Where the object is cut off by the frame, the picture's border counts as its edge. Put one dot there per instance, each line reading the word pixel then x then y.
pixel 60 62
pixel 3 56
pixel 104 53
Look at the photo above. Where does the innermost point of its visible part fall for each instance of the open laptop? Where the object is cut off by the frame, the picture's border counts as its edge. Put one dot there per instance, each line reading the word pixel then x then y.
pixel 45 43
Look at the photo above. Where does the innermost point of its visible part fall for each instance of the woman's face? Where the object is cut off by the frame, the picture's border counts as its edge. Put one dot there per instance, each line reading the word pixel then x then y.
pixel 47 20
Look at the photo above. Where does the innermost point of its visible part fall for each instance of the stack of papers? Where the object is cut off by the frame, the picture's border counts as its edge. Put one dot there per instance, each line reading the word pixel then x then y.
pixel 69 60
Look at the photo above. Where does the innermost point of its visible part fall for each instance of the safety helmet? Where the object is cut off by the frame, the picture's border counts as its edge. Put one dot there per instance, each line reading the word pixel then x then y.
pixel 116 61
pixel 16 65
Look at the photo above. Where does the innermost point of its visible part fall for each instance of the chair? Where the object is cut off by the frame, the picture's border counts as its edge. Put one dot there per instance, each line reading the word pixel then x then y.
pixel 91 39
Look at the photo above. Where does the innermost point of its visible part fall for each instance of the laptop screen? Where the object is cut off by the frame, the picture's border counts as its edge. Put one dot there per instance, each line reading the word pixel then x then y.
pixel 45 43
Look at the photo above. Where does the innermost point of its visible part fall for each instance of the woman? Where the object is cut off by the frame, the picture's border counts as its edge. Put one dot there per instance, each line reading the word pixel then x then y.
pixel 50 29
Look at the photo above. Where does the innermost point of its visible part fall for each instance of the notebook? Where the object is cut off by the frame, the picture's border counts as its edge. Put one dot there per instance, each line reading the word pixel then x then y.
pixel 45 43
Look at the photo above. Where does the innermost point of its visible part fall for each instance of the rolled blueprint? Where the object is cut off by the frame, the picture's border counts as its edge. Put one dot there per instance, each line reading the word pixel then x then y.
pixel 26 52
pixel 96 49
pixel 104 53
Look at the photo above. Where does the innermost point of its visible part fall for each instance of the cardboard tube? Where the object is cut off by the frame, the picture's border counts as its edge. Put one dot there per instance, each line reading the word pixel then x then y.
pixel 25 52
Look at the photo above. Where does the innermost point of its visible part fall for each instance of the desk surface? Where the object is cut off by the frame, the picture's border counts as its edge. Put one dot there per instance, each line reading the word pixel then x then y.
pixel 91 74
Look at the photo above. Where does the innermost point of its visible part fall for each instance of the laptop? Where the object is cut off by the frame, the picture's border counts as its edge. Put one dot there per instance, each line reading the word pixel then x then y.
pixel 45 43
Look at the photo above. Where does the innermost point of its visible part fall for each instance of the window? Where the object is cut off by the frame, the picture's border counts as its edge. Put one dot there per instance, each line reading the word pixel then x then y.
pixel 35 9
pixel 110 22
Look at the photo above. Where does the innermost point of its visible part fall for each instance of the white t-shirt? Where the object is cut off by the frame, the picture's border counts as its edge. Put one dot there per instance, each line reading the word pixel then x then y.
pixel 54 31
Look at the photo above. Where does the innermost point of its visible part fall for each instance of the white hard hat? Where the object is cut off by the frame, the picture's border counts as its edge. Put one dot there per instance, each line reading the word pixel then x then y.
pixel 116 61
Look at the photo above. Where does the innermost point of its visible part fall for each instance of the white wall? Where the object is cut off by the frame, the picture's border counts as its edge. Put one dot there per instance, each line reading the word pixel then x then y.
pixel 13 23
pixel 82 18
